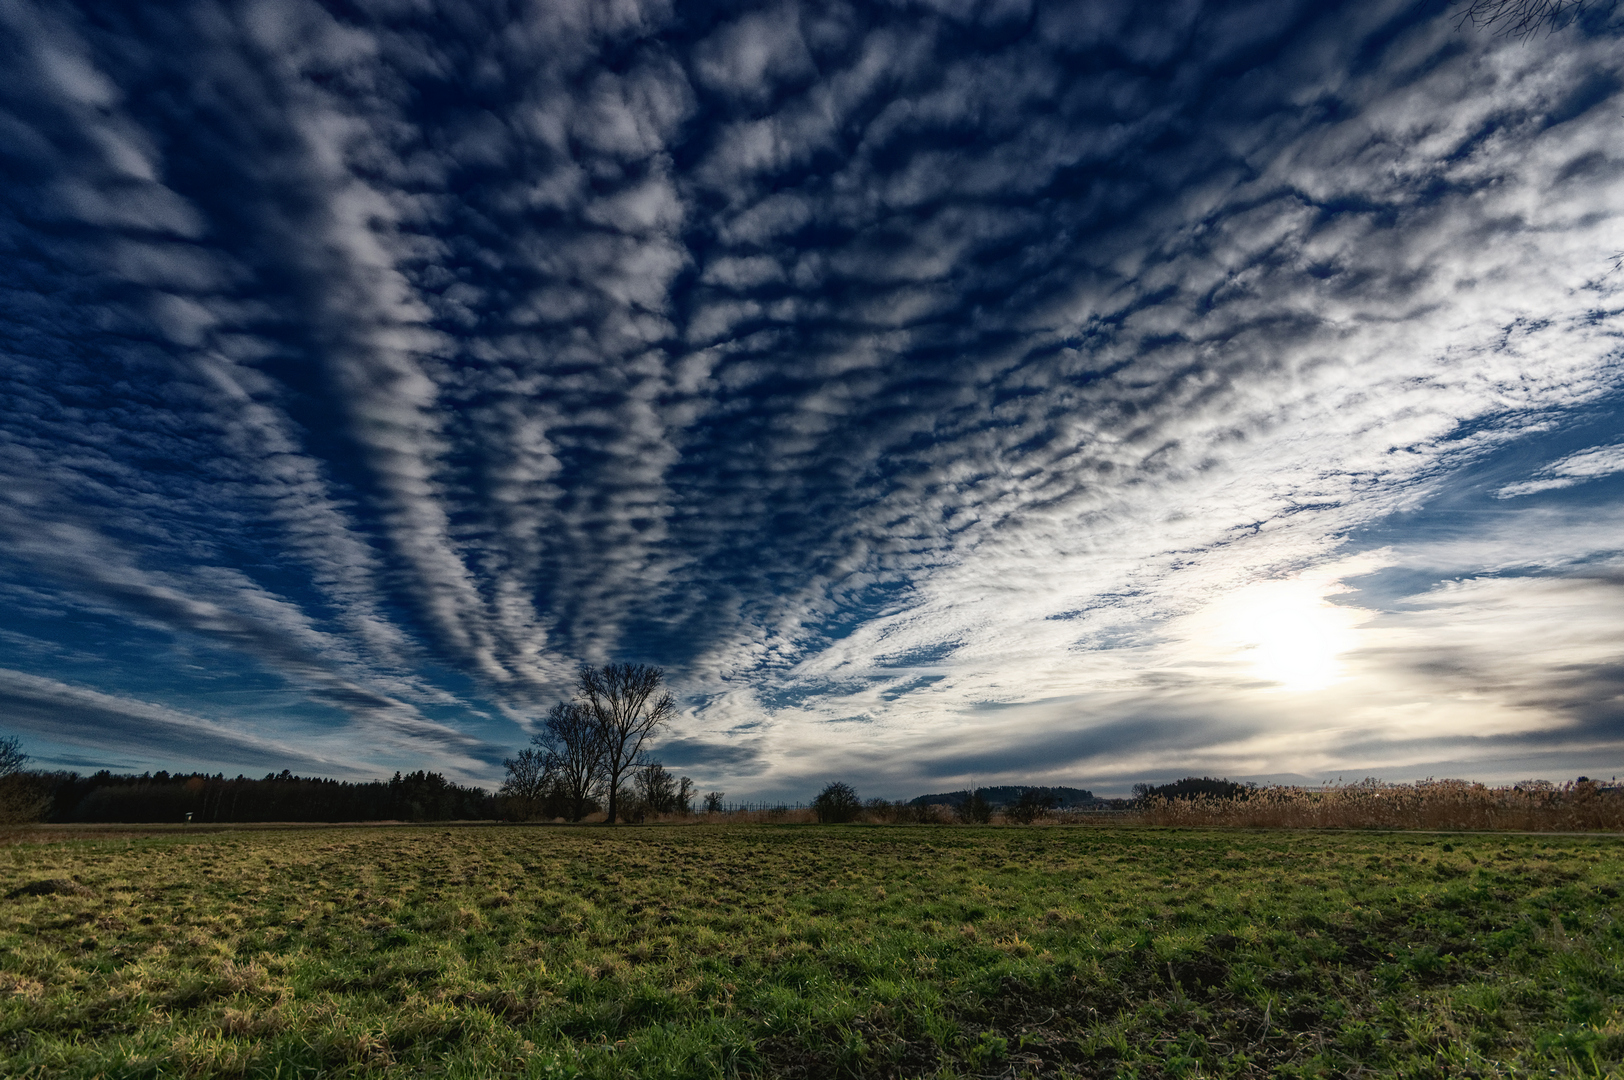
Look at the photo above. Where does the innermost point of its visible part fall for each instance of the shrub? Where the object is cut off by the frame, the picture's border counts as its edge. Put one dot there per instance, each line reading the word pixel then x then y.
pixel 837 804
pixel 884 811
pixel 1032 803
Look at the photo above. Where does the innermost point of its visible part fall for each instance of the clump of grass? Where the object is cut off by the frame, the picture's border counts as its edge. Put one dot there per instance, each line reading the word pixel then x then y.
pixel 757 951
pixel 1581 806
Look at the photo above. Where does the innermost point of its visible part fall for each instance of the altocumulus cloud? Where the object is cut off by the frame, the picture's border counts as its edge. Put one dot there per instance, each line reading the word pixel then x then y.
pixel 1080 391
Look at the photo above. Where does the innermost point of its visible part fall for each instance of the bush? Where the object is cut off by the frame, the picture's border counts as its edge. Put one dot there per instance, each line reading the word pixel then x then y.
pixel 916 813
pixel 837 804
pixel 884 811
pixel 1032 803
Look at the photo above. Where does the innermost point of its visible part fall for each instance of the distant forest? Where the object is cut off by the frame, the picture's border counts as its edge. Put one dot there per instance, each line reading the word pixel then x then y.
pixel 165 797
pixel 151 798
pixel 1060 797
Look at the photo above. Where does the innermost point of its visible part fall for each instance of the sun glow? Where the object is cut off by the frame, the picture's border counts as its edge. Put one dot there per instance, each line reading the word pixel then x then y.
pixel 1286 632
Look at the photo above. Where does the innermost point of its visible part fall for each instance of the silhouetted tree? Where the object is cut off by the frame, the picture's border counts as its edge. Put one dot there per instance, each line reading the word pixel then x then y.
pixel 837 804
pixel 656 789
pixel 923 813
pixel 627 706
pixel 12 758
pixel 975 810
pixel 1031 803
pixel 22 797
pixel 524 793
pixel 573 744
pixel 713 802
pixel 1525 18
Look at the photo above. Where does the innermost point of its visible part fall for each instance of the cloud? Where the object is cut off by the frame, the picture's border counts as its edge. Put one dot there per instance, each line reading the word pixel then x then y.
pixel 889 362
pixel 733 758
pixel 1576 468
pixel 750 56
pixel 220 605
pixel 121 727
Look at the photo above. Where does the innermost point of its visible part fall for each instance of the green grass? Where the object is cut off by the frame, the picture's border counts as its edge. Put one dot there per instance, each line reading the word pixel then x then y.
pixel 805 951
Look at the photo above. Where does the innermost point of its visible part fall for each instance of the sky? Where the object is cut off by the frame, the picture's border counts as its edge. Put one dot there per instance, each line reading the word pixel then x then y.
pixel 940 393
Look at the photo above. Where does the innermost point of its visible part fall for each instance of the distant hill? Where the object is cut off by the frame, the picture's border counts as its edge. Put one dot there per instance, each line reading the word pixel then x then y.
pixel 1193 787
pixel 1008 795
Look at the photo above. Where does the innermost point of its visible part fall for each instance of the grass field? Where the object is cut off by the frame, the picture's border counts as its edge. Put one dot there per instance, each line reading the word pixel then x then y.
pixel 806 951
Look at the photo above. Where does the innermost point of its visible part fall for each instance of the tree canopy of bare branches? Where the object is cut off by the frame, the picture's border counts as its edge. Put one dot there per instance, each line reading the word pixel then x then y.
pixel 20 796
pixel 1525 18
pixel 528 786
pixel 575 755
pixel 660 792
pixel 12 758
pixel 628 704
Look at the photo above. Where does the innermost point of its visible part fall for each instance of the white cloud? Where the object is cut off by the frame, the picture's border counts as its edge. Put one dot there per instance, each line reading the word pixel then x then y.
pixel 873 374
pixel 1576 468
pixel 115 726
pixel 752 54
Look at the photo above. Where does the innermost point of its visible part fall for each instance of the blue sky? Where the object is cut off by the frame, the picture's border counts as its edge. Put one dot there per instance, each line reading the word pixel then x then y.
pixel 942 393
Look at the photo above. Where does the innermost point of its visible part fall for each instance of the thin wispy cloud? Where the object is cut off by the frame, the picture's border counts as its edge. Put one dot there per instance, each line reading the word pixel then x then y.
pixel 127 729
pixel 1576 468
pixel 1021 378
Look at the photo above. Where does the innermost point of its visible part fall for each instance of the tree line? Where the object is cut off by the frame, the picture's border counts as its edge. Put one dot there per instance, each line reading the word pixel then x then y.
pixel 204 799
pixel 838 803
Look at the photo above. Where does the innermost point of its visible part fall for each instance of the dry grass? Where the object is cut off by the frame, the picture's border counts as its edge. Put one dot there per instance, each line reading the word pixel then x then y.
pixel 1431 804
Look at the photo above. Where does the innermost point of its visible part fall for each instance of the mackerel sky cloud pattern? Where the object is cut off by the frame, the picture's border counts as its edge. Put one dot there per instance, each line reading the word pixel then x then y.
pixel 941 392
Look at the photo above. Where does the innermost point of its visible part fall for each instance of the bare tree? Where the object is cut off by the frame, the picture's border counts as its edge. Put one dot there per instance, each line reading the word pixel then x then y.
pixel 1525 18
pixel 21 798
pixel 713 802
pixel 656 788
pixel 528 783
pixel 660 792
pixel 974 810
pixel 12 758
pixel 572 741
pixel 1033 803
pixel 837 803
pixel 628 706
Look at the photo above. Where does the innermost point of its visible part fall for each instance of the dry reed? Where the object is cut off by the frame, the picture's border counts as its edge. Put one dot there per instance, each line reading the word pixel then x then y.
pixel 1581 806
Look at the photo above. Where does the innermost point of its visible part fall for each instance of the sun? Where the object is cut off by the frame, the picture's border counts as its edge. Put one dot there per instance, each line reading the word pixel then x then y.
pixel 1287 632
